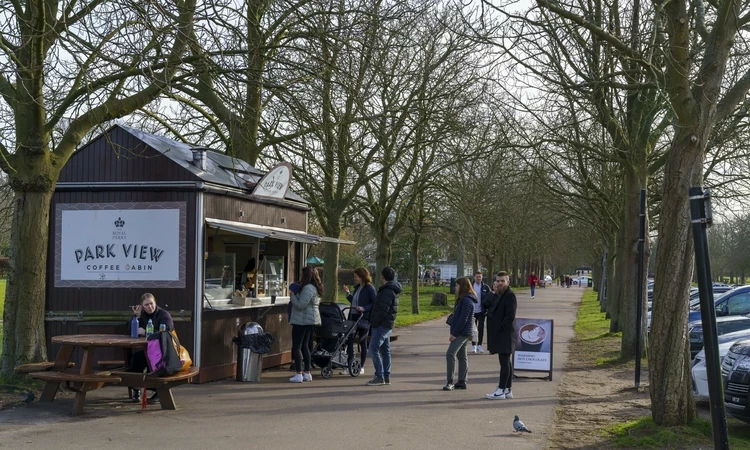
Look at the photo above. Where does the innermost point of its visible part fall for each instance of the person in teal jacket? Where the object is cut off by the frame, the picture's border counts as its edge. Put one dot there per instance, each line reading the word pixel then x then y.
pixel 305 316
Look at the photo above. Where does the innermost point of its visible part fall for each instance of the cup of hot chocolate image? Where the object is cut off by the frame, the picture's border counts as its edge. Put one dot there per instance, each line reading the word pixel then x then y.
pixel 531 337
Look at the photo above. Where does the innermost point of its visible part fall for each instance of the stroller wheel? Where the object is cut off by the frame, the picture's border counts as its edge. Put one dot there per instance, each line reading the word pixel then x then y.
pixel 355 367
pixel 326 372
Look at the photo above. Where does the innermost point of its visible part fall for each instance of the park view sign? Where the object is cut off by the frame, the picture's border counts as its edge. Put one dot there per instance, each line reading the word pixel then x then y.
pixel 120 245
pixel 275 183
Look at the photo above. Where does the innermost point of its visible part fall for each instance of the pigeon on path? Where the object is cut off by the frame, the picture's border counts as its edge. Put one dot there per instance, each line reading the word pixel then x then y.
pixel 519 426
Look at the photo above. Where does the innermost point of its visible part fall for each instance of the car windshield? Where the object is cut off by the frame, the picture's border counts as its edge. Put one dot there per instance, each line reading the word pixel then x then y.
pixel 695 302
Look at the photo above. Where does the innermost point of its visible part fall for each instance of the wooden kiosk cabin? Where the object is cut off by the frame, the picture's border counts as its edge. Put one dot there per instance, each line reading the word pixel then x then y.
pixel 134 212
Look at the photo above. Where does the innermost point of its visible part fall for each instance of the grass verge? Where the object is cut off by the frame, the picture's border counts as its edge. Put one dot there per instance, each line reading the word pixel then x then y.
pixel 426 311
pixel 644 433
pixel 600 348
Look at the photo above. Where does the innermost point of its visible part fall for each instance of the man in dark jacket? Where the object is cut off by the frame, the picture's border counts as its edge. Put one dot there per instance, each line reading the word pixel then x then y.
pixel 501 314
pixel 382 319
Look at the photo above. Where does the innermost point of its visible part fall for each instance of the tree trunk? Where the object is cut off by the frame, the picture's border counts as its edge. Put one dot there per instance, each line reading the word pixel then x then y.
pixel 460 258
pixel 383 255
pixel 415 275
pixel 672 402
pixel 23 319
pixel 629 275
pixel 609 290
pixel 331 271
pixel 616 299
pixel 603 280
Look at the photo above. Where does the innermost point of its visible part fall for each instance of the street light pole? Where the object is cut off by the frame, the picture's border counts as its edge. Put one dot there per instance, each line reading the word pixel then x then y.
pixel 700 217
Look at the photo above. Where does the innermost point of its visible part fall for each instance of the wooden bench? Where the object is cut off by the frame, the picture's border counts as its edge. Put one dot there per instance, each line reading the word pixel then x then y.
pixel 162 385
pixel 25 369
pixel 75 382
pixel 112 364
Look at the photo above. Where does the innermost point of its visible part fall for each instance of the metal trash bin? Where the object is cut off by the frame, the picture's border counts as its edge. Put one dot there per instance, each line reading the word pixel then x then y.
pixel 453 286
pixel 591 282
pixel 249 362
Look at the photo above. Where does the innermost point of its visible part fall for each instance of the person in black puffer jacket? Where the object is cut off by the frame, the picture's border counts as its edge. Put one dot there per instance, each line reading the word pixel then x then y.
pixel 382 320
pixel 462 328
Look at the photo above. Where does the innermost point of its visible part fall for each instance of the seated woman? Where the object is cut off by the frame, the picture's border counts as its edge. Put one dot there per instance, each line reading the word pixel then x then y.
pixel 146 311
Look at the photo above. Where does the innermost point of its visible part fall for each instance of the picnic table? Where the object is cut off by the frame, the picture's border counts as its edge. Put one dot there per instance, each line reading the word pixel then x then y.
pixel 83 379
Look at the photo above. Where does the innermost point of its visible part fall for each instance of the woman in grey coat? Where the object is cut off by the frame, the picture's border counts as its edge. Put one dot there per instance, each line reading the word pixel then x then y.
pixel 305 316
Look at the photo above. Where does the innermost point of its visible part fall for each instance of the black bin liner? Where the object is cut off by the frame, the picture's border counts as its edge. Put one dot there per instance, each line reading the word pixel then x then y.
pixel 257 343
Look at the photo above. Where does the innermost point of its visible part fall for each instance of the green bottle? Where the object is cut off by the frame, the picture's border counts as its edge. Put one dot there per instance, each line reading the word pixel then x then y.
pixel 149 328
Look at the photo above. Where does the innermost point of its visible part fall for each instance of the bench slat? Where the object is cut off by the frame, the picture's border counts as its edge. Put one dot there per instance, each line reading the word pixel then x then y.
pixel 74 377
pixel 135 379
pixel 37 367
pixel 110 363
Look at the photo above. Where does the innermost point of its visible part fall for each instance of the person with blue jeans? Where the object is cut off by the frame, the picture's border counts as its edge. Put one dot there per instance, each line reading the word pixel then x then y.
pixel 533 280
pixel 460 333
pixel 382 320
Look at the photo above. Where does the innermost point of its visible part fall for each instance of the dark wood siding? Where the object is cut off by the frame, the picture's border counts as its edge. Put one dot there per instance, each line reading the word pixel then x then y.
pixel 120 299
pixel 118 156
pixel 225 207
pixel 219 327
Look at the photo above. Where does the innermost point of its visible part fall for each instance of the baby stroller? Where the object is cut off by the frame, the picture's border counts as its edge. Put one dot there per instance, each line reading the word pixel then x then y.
pixel 331 337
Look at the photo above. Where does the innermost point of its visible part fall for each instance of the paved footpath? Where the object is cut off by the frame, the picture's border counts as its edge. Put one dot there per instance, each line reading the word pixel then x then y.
pixel 413 413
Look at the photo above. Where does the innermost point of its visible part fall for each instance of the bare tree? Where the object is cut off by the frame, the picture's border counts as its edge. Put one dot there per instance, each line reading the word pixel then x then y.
pixel 421 118
pixel 66 67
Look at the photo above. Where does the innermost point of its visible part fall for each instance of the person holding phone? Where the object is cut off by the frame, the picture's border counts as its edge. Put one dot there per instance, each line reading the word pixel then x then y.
pixel 145 311
pixel 361 300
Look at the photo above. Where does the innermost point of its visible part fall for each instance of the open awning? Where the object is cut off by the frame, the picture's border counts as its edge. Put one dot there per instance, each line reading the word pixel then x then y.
pixel 260 231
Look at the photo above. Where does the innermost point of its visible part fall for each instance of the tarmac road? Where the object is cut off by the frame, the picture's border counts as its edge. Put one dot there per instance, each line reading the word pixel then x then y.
pixel 413 413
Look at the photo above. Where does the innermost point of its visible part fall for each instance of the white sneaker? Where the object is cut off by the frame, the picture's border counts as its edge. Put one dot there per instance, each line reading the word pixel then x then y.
pixel 480 349
pixel 508 394
pixel 344 371
pixel 296 379
pixel 532 296
pixel 499 394
pixel 473 349
pixel 362 371
pixel 306 377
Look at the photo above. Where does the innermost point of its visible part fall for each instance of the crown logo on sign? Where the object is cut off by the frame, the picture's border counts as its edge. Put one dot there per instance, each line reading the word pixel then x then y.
pixel 119 223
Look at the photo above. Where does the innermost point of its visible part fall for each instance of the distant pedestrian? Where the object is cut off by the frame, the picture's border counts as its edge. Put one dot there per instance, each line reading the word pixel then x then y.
pixel 462 327
pixel 483 293
pixel 533 280
pixel 382 321
pixel 501 314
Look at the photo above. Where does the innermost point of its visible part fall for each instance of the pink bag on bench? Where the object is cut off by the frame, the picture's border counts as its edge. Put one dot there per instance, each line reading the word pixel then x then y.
pixel 162 357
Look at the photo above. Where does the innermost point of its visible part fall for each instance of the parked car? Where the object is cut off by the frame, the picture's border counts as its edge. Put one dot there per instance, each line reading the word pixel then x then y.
pixel 735 373
pixel 724 325
pixel 698 370
pixel 718 292
pixel 581 281
pixel 733 303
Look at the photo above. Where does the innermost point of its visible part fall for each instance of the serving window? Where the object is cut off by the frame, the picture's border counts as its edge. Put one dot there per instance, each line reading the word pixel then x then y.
pixel 245 271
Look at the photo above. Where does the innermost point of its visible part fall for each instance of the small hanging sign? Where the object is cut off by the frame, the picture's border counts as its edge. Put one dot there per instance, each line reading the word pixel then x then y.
pixel 276 182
